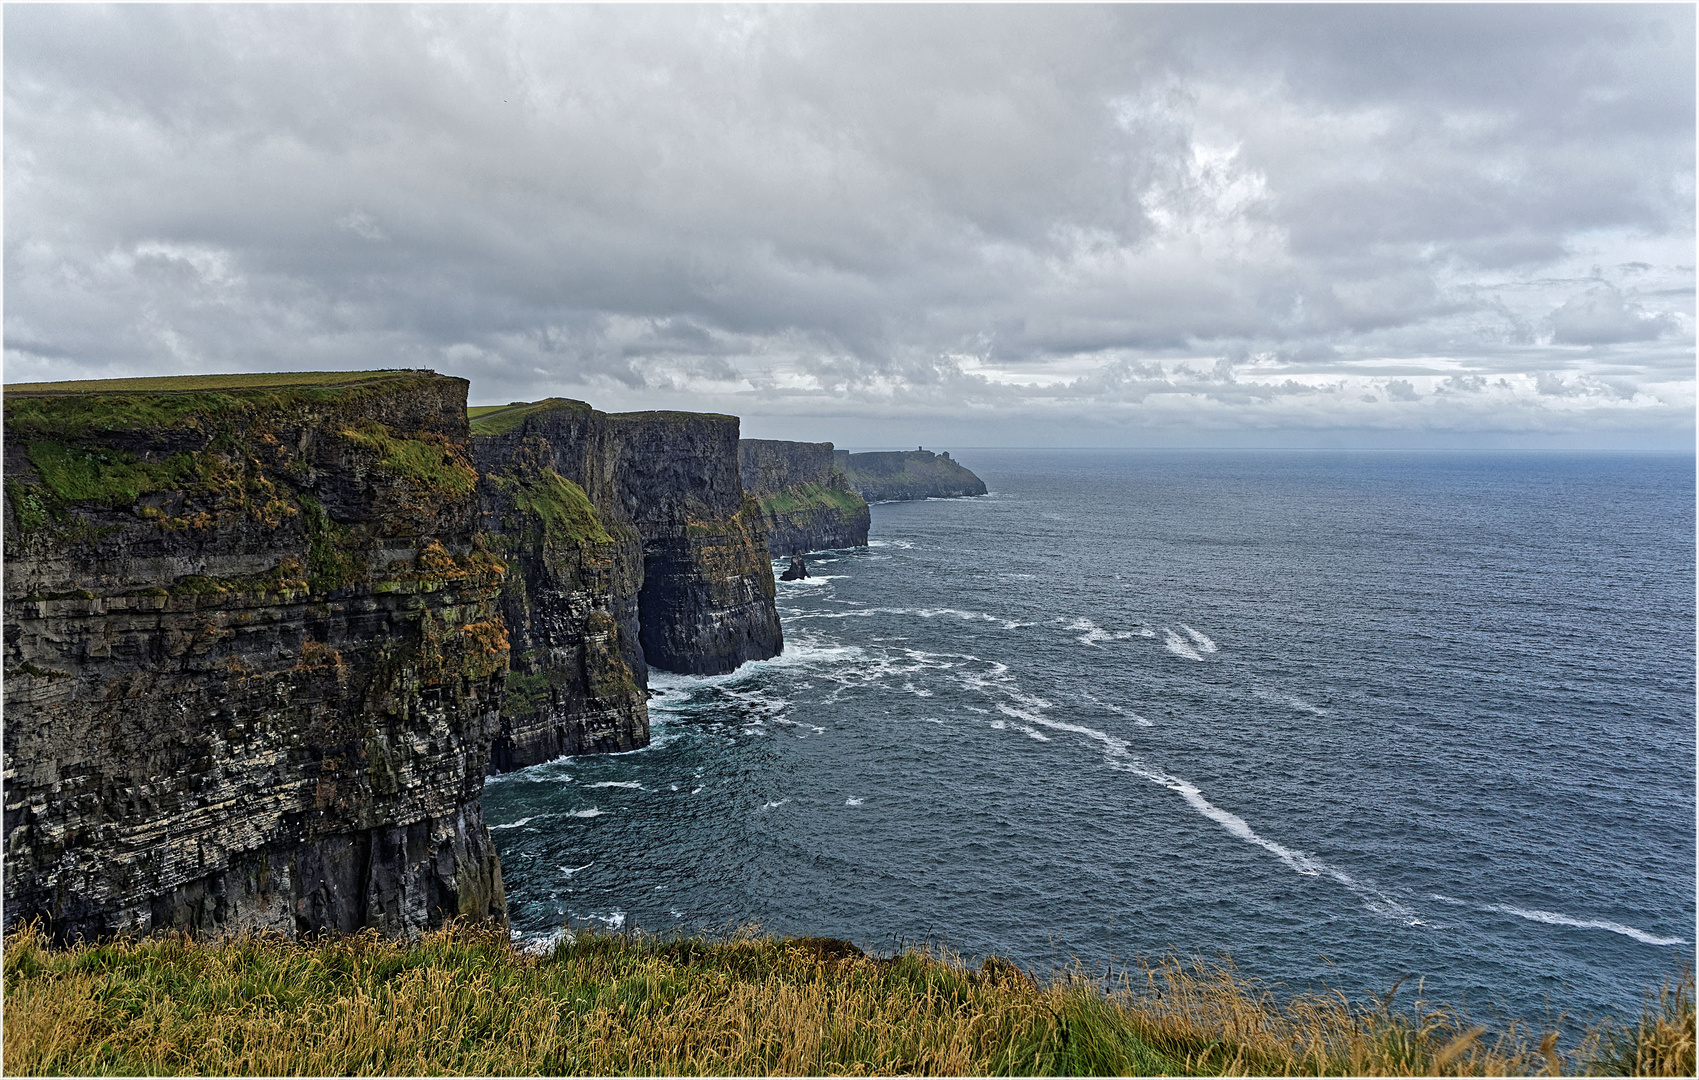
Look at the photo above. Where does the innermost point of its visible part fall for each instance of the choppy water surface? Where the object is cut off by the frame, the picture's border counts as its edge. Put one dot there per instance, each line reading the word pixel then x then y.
pixel 1346 717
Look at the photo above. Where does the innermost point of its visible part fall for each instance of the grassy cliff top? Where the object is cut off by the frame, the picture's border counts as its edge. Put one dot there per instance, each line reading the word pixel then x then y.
pixel 90 406
pixel 501 419
pixel 669 416
pixel 186 384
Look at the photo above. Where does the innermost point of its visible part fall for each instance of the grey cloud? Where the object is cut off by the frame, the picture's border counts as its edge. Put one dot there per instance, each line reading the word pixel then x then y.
pixel 826 208
pixel 1603 316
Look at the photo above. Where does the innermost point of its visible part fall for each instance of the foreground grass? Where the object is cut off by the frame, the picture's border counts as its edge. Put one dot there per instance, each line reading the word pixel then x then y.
pixel 461 1001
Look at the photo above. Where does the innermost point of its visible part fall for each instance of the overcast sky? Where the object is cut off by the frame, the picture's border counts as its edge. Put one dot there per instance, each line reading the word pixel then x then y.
pixel 883 225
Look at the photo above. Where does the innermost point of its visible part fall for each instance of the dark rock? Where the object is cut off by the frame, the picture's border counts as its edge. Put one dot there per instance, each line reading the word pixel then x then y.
pixel 798 570
pixel 253 658
pixel 569 602
pixel 902 475
pixel 706 605
pixel 807 503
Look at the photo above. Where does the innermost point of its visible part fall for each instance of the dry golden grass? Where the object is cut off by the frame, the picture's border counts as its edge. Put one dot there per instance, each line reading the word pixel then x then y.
pixel 461 1001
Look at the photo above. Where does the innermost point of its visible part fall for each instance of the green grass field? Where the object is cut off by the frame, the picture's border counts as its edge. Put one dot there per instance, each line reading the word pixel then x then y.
pixel 462 1001
pixel 181 384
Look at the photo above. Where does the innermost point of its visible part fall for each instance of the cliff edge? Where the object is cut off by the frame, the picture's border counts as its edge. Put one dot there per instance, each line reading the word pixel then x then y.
pixel 549 502
pixel 253 660
pixel 804 497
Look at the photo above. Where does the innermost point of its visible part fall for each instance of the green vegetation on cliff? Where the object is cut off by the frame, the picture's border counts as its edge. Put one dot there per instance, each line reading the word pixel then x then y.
pixel 808 498
pixel 74 409
pixel 558 505
pixel 462 1001
pixel 501 419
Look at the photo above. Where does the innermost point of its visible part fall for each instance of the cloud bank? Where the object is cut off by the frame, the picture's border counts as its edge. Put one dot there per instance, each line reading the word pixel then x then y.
pixel 1138 225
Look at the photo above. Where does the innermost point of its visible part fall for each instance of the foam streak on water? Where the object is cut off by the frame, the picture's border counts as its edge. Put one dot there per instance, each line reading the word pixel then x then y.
pixel 1416 714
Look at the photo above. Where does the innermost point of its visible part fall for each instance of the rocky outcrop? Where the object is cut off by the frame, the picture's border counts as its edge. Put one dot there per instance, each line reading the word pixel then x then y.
pixel 629 544
pixel 706 604
pixel 253 658
pixel 804 497
pixel 569 601
pixel 901 475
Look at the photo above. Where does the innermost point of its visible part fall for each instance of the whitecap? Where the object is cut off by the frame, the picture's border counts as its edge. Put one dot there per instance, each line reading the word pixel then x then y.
pixel 852 802
pixel 570 870
pixel 618 783
pixel 1201 640
pixel 592 812
pixel 1556 918
pixel 771 805
pixel 512 824
pixel 1179 646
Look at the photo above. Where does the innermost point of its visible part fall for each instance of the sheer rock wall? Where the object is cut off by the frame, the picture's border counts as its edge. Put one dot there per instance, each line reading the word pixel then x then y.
pixel 253 661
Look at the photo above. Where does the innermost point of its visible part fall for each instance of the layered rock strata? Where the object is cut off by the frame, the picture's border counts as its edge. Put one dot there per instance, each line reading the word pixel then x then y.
pixel 706 605
pixel 901 475
pixel 575 568
pixel 630 545
pixel 804 497
pixel 253 658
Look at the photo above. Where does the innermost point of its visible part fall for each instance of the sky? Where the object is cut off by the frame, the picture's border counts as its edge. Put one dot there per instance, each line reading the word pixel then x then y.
pixel 887 225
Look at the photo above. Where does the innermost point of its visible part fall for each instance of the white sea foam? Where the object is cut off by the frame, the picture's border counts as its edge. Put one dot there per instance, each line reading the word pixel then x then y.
pixel 905 544
pixel 1142 722
pixel 771 805
pixel 1117 755
pixel 852 802
pixel 545 944
pixel 1178 645
pixel 570 870
pixel 1556 918
pixel 1200 640
pixel 618 783
pixel 696 791
pixel 921 613
pixel 512 824
pixel 592 812
pixel 1094 633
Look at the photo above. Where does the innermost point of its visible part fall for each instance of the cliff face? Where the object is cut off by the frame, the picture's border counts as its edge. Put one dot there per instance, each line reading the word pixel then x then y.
pixel 804 497
pixel 253 659
pixel 706 604
pixel 570 601
pixel 900 475
pixel 629 544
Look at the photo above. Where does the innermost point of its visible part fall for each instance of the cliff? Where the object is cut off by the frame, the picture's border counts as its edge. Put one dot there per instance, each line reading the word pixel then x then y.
pixel 706 604
pixel 253 659
pixel 900 475
pixel 569 601
pixel 629 545
pixel 804 498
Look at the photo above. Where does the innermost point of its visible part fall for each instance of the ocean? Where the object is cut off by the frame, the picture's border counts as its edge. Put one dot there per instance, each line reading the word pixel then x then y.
pixel 1344 717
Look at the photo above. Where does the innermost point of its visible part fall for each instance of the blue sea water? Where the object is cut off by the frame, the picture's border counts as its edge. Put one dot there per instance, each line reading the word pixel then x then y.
pixel 1345 717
